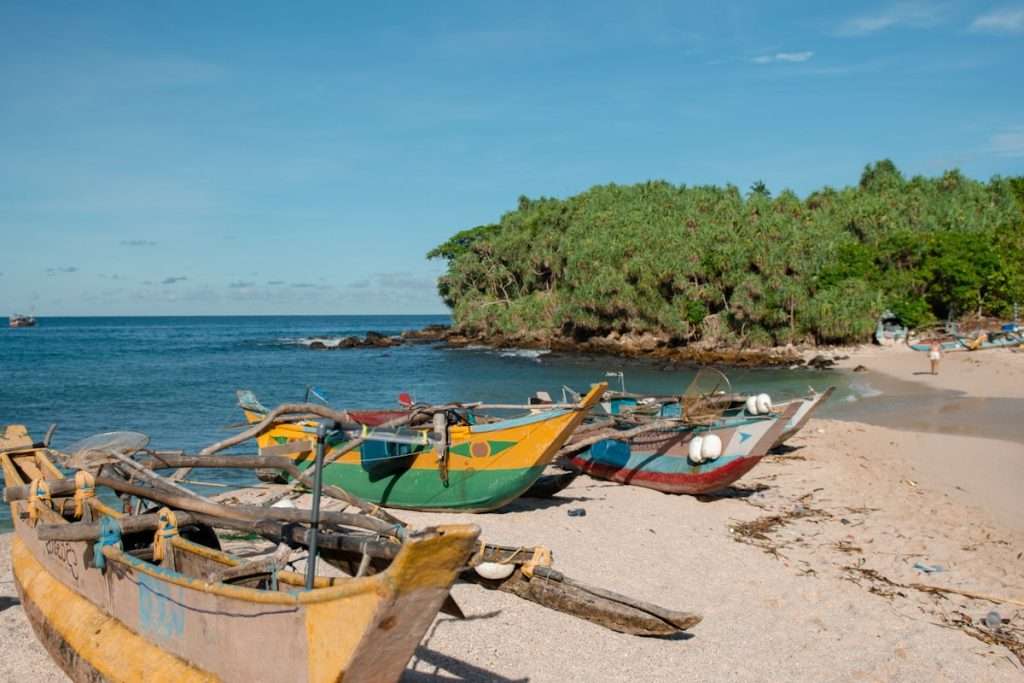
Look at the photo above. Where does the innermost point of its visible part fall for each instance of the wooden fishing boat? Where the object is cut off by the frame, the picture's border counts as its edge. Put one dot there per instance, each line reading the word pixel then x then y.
pixel 445 465
pixel 664 459
pixel 732 407
pixel 167 608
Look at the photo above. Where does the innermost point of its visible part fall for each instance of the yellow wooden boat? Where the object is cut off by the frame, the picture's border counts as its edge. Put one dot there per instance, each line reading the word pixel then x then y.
pixel 481 467
pixel 115 611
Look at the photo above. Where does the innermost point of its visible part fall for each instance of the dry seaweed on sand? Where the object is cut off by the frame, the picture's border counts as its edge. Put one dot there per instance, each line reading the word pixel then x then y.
pixel 757 531
pixel 1010 637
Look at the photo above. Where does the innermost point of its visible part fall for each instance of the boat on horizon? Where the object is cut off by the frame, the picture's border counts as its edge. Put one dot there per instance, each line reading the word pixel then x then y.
pixel 19 320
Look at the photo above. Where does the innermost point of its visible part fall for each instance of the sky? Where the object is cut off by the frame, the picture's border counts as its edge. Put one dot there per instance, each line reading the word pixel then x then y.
pixel 249 158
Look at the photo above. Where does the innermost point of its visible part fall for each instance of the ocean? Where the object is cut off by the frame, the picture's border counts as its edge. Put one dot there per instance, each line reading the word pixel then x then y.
pixel 174 378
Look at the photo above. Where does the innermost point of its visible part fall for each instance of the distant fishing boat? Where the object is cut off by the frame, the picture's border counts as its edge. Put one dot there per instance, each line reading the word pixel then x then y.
pixel 462 464
pixel 1011 335
pixel 123 605
pixel 688 459
pixel 19 320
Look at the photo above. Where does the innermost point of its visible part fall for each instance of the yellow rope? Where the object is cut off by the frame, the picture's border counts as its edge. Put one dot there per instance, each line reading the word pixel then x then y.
pixel 85 488
pixel 167 528
pixel 39 493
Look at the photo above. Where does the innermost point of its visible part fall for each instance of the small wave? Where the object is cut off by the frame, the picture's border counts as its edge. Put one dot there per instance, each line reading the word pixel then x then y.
pixel 532 354
pixel 308 341
pixel 864 390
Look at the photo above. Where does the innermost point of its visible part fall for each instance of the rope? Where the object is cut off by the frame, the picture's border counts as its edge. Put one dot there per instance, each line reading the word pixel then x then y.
pixel 167 529
pixel 39 493
pixel 85 488
pixel 110 535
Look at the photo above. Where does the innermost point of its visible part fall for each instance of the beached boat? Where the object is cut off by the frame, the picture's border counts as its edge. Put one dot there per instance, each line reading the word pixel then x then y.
pixel 731 406
pixel 18 320
pixel 133 607
pixel 1010 336
pixel 451 465
pixel 691 459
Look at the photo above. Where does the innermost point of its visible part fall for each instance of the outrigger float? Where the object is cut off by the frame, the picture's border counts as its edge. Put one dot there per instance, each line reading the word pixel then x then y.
pixel 151 596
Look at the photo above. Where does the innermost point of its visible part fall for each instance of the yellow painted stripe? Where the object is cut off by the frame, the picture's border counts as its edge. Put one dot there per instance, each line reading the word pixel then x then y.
pixel 105 643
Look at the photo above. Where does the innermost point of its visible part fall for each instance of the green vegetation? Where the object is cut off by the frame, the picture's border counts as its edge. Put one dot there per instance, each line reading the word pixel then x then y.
pixel 707 264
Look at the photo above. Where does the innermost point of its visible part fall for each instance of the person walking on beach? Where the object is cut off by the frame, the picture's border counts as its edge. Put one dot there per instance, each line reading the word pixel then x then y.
pixel 935 355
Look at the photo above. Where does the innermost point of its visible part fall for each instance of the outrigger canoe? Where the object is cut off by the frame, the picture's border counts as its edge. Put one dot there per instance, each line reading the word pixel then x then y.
pixel 479 467
pixel 121 610
pixel 664 459
pixel 734 408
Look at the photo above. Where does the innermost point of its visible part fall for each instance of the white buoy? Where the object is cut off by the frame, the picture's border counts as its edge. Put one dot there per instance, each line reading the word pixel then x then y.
pixel 764 404
pixel 696 450
pixel 712 447
pixel 752 405
pixel 494 570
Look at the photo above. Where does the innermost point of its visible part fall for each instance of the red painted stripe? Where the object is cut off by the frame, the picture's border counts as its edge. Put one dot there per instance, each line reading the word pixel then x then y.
pixel 676 482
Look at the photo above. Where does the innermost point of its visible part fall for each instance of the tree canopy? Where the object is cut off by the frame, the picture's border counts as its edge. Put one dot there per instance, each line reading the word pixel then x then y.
pixel 692 263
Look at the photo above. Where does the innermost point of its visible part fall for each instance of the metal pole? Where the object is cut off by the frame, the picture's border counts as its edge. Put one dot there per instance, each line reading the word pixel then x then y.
pixel 314 522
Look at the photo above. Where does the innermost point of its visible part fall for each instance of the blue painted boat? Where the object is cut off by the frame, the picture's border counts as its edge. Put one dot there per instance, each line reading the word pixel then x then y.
pixel 662 459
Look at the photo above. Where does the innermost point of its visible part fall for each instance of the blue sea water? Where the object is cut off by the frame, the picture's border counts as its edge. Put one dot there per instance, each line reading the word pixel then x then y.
pixel 174 378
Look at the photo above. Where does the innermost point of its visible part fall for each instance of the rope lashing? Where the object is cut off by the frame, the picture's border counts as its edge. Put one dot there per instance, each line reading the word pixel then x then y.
pixel 167 528
pixel 39 494
pixel 110 535
pixel 85 488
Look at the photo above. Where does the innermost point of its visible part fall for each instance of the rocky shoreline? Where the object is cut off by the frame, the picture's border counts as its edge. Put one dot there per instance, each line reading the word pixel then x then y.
pixel 626 346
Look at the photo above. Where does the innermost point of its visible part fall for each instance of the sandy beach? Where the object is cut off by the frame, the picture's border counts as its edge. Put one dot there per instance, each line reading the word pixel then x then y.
pixel 822 564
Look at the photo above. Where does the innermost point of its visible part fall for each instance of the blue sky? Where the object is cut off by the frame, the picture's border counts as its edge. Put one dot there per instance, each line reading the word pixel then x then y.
pixel 211 158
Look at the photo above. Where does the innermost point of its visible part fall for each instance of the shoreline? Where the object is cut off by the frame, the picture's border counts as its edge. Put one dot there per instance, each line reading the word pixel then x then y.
pixel 805 568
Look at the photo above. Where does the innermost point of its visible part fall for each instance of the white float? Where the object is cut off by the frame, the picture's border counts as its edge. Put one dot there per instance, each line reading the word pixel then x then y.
pixel 711 448
pixel 697 450
pixel 752 405
pixel 764 404
pixel 494 571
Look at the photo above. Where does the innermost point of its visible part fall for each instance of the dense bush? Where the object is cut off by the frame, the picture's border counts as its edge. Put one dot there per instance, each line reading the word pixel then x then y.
pixel 707 263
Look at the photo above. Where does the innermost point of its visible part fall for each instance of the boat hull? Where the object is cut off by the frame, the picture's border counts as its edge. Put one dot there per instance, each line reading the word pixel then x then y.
pixel 487 465
pixel 661 461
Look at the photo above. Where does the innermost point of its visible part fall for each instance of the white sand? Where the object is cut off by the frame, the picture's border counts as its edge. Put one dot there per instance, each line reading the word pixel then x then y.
pixel 799 608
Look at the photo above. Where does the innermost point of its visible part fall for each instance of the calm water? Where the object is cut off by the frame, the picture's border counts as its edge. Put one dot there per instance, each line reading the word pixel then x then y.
pixel 174 378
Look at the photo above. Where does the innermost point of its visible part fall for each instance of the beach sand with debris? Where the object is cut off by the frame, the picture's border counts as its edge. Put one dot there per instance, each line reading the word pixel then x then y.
pixel 846 558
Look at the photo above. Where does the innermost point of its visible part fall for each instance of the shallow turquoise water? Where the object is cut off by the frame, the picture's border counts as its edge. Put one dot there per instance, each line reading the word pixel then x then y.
pixel 174 378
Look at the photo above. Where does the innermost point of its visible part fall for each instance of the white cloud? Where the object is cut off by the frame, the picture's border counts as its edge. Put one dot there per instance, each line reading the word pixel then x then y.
pixel 911 14
pixel 1005 20
pixel 1009 143
pixel 792 57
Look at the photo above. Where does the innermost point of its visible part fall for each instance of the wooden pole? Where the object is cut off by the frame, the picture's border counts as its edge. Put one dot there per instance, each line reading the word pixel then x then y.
pixel 314 521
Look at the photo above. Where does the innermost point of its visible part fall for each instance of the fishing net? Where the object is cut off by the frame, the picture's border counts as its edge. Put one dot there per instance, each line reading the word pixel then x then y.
pixel 94 451
pixel 708 396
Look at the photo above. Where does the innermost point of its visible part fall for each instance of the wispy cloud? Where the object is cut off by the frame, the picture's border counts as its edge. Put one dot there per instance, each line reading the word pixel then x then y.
pixel 1009 143
pixel 909 14
pixel 173 279
pixel 241 285
pixel 138 243
pixel 64 269
pixel 791 57
pixel 1004 20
